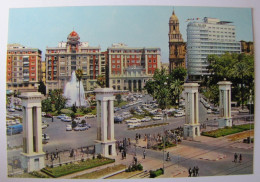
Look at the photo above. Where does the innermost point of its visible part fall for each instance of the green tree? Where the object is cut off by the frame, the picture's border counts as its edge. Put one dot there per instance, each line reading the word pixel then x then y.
pixel 58 100
pixel 118 98
pixel 79 75
pixel 47 105
pixel 101 81
pixel 176 89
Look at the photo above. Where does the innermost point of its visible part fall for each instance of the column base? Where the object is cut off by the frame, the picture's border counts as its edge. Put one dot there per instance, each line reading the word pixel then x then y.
pixel 225 122
pixel 106 148
pixel 33 162
pixel 191 131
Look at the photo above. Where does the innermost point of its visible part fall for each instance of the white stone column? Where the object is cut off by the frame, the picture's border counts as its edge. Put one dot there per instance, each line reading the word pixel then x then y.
pixel 191 126
pixel 29 131
pixel 104 121
pixel 225 104
pixel 98 120
pixel 111 120
pixel 39 129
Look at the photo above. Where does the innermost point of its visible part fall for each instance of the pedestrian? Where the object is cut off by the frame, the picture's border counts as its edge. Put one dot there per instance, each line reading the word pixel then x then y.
pixel 125 154
pixel 190 172
pixel 122 155
pixel 52 119
pixel 235 157
pixel 47 155
pixel 144 153
pixel 240 158
pixel 194 171
pixel 197 171
pixel 139 136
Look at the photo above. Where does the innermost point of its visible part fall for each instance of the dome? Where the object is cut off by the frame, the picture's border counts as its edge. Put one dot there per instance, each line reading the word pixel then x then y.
pixel 174 17
pixel 73 34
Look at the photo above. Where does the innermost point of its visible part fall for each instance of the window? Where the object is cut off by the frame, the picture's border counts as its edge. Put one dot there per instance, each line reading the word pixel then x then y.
pixel 118 81
pixel 113 61
pixel 154 61
pixel 118 56
pixel 114 81
pixel 150 61
pixel 113 56
pixel 114 66
pixel 154 66
pixel 133 61
pixel 118 61
pixel 150 66
pixel 118 66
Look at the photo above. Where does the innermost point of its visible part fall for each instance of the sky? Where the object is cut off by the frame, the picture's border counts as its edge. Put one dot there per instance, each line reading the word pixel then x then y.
pixel 136 26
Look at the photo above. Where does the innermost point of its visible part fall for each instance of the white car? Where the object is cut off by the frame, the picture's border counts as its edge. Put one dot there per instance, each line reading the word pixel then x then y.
pixel 66 119
pixel 146 119
pixel 77 119
pixel 61 116
pixel 209 111
pixel 157 117
pixel 68 127
pixel 44 126
pixel 132 125
pixel 90 116
pixel 133 120
pixel 45 136
pixel 178 114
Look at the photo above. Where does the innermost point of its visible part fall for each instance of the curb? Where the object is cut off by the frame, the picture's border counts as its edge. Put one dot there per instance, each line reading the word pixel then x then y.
pixel 181 172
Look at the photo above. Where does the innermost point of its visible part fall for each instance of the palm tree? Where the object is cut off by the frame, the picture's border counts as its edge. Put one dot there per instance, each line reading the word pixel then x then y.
pixel 79 75
pixel 177 88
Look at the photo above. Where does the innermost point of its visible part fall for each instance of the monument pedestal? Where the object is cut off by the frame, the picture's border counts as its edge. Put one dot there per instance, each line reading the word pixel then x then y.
pixel 32 162
pixel 191 131
pixel 107 149
pixel 224 122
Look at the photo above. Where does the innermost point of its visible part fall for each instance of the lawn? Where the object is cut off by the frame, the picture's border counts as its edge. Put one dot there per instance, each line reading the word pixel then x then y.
pixel 228 130
pixel 120 104
pixel 76 166
pixel 148 126
pixel 102 172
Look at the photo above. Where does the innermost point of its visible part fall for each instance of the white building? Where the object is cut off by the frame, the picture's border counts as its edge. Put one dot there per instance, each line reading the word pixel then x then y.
pixel 211 36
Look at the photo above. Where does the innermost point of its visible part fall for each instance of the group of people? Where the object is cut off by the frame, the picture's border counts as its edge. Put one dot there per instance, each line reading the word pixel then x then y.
pixel 237 158
pixel 53 155
pixel 194 171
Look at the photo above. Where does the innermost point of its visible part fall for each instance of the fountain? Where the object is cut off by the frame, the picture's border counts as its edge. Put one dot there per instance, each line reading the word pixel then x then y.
pixel 71 91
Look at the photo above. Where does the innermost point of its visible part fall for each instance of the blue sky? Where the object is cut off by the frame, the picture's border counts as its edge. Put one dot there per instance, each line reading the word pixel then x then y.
pixel 136 26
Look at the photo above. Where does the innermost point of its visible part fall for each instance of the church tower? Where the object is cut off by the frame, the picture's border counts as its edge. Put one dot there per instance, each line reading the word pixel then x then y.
pixel 177 48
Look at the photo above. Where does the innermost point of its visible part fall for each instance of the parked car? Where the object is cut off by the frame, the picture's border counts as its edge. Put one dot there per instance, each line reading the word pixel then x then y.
pixel 43 114
pixel 77 119
pixel 44 126
pixel 90 116
pixel 209 111
pixel 68 127
pixel 146 119
pixel 133 120
pixel 11 110
pixel 178 114
pixel 66 119
pixel 118 119
pixel 14 129
pixel 157 117
pixel 61 116
pixel 48 115
pixel 132 125
pixel 81 128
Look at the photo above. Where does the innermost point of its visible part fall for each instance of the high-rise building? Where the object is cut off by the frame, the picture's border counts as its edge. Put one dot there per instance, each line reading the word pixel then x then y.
pixel 69 56
pixel 211 36
pixel 177 48
pixel 23 71
pixel 130 68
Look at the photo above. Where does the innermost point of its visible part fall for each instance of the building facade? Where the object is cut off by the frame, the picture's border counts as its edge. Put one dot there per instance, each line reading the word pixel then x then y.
pixel 69 56
pixel 177 48
pixel 23 71
pixel 130 68
pixel 211 36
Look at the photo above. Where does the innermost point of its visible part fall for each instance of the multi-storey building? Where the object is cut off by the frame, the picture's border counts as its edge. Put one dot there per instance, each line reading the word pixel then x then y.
pixel 23 71
pixel 69 56
pixel 247 47
pixel 177 48
pixel 130 68
pixel 43 69
pixel 211 36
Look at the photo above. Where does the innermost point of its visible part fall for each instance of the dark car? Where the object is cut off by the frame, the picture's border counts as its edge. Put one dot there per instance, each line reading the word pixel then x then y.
pixel 48 115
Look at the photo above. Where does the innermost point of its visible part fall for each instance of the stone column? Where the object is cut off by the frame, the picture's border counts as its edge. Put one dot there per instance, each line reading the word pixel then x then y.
pixel 98 121
pixel 191 126
pixel 104 120
pixel 225 104
pixel 32 155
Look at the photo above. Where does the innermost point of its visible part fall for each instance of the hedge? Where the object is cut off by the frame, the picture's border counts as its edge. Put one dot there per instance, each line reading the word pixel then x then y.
pixel 156 173
pixel 136 167
pixel 228 130
pixel 76 166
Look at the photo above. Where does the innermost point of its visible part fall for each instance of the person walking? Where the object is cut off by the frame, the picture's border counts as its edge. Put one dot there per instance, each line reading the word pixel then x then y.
pixel 144 153
pixel 190 172
pixel 194 171
pixel 240 158
pixel 197 171
pixel 235 157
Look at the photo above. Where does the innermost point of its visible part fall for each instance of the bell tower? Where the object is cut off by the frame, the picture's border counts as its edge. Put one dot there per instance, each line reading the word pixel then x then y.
pixel 177 48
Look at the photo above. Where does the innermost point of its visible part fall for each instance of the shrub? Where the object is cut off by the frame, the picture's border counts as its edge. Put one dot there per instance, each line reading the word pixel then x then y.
pixel 38 175
pixel 135 167
pixel 99 156
pixel 83 121
pixel 156 173
pixel 66 111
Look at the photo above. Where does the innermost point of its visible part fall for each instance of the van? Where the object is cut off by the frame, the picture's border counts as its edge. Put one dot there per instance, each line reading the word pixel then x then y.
pixel 14 129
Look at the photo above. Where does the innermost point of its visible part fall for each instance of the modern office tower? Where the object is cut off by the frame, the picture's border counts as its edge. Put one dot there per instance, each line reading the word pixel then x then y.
pixel 23 71
pixel 247 47
pixel 177 48
pixel 130 68
pixel 69 56
pixel 211 36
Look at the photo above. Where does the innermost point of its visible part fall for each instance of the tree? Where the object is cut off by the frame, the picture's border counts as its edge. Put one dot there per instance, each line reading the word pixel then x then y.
pixel 79 75
pixel 42 88
pixel 58 100
pixel 176 89
pixel 118 98
pixel 101 81
pixel 47 105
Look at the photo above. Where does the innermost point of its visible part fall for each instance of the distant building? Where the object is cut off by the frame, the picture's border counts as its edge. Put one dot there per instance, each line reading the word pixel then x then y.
pixel 69 56
pixel 211 36
pixel 130 68
pixel 177 48
pixel 247 47
pixel 166 67
pixel 23 71
pixel 43 69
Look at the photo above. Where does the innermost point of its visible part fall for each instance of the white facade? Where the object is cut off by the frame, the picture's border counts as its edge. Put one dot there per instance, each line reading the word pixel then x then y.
pixel 211 36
